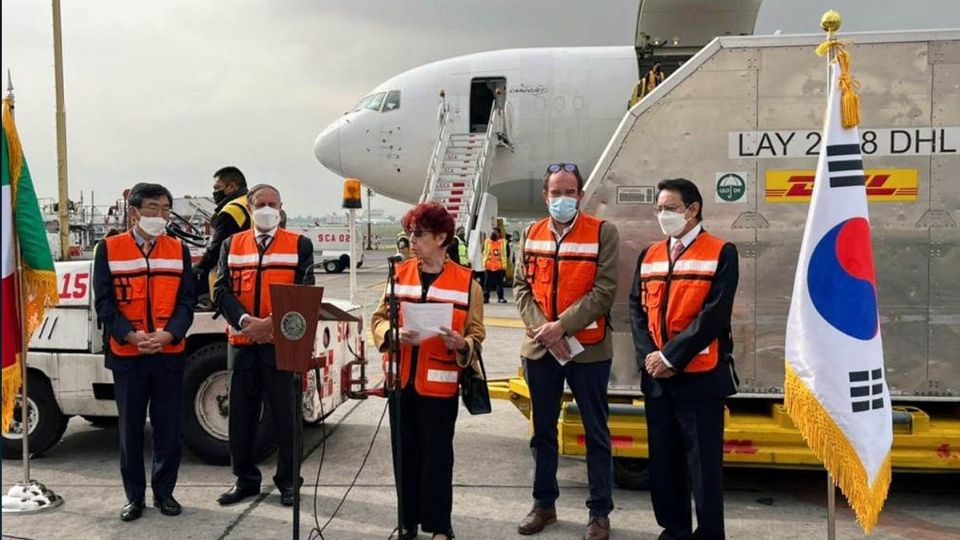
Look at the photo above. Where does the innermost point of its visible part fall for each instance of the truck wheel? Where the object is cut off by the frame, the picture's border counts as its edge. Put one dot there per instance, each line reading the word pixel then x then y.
pixel 46 425
pixel 631 473
pixel 332 267
pixel 206 408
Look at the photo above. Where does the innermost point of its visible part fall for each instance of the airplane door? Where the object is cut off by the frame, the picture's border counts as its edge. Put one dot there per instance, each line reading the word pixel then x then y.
pixel 482 95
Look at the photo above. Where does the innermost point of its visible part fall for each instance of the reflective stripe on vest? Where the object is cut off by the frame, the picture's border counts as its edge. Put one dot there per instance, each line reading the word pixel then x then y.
pixel 560 274
pixel 437 370
pixel 145 287
pixel 673 294
pixel 252 272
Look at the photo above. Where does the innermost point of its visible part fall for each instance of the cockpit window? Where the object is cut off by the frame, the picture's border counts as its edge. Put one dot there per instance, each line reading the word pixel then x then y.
pixel 372 102
pixel 393 101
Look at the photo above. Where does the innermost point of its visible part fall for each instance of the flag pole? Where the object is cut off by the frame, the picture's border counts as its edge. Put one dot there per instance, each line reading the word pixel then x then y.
pixel 831 508
pixel 28 496
pixel 63 200
pixel 830 22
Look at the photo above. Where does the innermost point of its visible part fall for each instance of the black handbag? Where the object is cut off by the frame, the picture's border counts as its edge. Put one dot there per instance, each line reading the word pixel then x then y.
pixel 473 389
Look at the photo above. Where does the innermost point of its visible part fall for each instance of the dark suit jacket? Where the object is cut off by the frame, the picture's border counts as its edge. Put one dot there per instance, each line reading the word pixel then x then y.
pixel 229 305
pixel 116 325
pixel 713 322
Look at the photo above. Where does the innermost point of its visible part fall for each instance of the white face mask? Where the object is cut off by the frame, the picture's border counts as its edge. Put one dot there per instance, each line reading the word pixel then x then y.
pixel 266 218
pixel 671 223
pixel 153 226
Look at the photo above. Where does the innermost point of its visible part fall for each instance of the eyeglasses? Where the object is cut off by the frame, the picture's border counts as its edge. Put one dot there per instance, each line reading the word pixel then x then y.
pixel 420 233
pixel 674 208
pixel 156 208
pixel 557 167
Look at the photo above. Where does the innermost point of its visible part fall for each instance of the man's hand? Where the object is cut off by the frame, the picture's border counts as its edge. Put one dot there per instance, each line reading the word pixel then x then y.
pixel 257 329
pixel 146 343
pixel 409 337
pixel 561 351
pixel 656 367
pixel 452 339
pixel 549 334
pixel 161 336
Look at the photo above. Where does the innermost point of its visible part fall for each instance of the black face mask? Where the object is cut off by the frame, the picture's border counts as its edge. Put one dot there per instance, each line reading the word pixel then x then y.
pixel 494 236
pixel 219 196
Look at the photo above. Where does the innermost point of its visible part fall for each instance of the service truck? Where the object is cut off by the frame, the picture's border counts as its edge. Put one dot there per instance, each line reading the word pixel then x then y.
pixel 66 375
pixel 331 244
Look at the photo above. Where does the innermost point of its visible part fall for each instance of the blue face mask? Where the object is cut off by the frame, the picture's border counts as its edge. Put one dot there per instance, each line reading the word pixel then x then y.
pixel 563 209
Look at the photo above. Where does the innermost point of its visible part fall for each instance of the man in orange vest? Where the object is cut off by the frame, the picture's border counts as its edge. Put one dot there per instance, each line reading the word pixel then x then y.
pixel 564 287
pixel 249 262
pixel 680 308
pixel 494 266
pixel 144 297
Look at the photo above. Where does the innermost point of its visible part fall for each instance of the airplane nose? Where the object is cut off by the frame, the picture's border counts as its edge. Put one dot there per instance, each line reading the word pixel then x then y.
pixel 327 148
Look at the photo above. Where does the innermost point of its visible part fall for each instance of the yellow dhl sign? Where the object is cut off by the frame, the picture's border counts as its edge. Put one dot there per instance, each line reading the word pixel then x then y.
pixel 883 185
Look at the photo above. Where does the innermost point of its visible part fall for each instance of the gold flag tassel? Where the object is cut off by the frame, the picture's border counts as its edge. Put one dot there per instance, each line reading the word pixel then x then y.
pixel 849 100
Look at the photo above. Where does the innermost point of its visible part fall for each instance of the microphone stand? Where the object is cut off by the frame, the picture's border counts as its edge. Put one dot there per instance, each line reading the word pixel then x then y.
pixel 394 385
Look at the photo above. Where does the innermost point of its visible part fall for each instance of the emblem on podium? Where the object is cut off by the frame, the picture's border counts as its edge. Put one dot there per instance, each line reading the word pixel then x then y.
pixel 293 326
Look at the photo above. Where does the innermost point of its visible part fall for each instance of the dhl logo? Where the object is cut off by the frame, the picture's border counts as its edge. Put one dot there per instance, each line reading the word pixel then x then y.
pixel 883 185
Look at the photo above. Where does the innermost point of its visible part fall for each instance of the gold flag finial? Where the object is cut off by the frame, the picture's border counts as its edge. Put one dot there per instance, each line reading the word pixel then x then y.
pixel 849 100
pixel 831 21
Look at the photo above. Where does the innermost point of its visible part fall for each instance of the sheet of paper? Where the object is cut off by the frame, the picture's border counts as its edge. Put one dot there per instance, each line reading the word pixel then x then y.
pixel 575 349
pixel 427 318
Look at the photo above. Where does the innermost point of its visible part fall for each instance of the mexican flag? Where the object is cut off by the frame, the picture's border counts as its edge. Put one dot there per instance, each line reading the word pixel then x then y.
pixel 22 228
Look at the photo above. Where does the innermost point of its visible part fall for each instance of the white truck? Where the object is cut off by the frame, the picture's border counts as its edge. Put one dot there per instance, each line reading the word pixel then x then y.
pixel 331 244
pixel 67 377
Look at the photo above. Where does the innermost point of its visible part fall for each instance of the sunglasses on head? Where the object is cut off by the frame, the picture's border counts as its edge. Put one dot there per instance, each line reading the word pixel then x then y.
pixel 557 167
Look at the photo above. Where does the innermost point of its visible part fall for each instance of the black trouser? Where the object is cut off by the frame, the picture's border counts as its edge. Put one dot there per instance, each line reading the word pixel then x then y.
pixel 426 431
pixel 247 386
pixel 686 453
pixel 494 282
pixel 149 381
pixel 588 382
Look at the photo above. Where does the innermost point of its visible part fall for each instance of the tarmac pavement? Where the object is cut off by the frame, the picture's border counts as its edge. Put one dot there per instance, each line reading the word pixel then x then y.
pixel 492 477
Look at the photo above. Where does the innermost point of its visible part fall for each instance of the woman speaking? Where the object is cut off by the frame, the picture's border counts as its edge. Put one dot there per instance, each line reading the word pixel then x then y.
pixel 430 369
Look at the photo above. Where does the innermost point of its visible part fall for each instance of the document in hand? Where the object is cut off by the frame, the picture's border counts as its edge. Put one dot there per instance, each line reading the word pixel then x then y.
pixel 575 349
pixel 426 318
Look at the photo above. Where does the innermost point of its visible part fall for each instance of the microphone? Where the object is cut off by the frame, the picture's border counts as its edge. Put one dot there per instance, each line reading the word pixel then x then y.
pixel 394 259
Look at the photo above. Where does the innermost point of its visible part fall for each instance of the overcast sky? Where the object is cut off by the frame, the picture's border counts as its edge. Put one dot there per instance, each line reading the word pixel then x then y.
pixel 170 91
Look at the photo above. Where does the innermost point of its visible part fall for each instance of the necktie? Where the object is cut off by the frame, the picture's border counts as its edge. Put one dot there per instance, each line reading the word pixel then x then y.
pixel 263 239
pixel 675 252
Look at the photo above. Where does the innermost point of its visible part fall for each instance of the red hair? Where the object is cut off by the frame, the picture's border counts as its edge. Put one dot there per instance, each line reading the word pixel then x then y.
pixel 429 216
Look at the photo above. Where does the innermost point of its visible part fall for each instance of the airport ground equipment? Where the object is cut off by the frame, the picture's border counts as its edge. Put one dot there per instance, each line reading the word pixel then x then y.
pixel 67 376
pixel 741 118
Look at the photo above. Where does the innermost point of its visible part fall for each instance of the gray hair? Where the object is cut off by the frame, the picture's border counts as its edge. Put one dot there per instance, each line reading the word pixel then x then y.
pixel 253 191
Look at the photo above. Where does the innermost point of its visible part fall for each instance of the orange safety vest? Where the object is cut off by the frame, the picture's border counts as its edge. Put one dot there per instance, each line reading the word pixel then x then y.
pixel 560 273
pixel 494 260
pixel 252 272
pixel 438 373
pixel 673 293
pixel 145 286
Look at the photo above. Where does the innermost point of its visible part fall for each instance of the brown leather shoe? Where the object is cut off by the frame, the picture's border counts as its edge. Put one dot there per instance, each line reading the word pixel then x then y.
pixel 598 528
pixel 536 520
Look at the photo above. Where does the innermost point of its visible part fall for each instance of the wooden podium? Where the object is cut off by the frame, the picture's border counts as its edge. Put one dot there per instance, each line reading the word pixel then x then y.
pixel 296 311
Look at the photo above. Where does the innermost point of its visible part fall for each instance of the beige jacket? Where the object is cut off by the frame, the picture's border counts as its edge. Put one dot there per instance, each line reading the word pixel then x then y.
pixel 580 314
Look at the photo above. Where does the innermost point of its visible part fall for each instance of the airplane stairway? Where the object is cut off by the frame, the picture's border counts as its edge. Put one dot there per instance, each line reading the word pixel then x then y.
pixel 458 175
